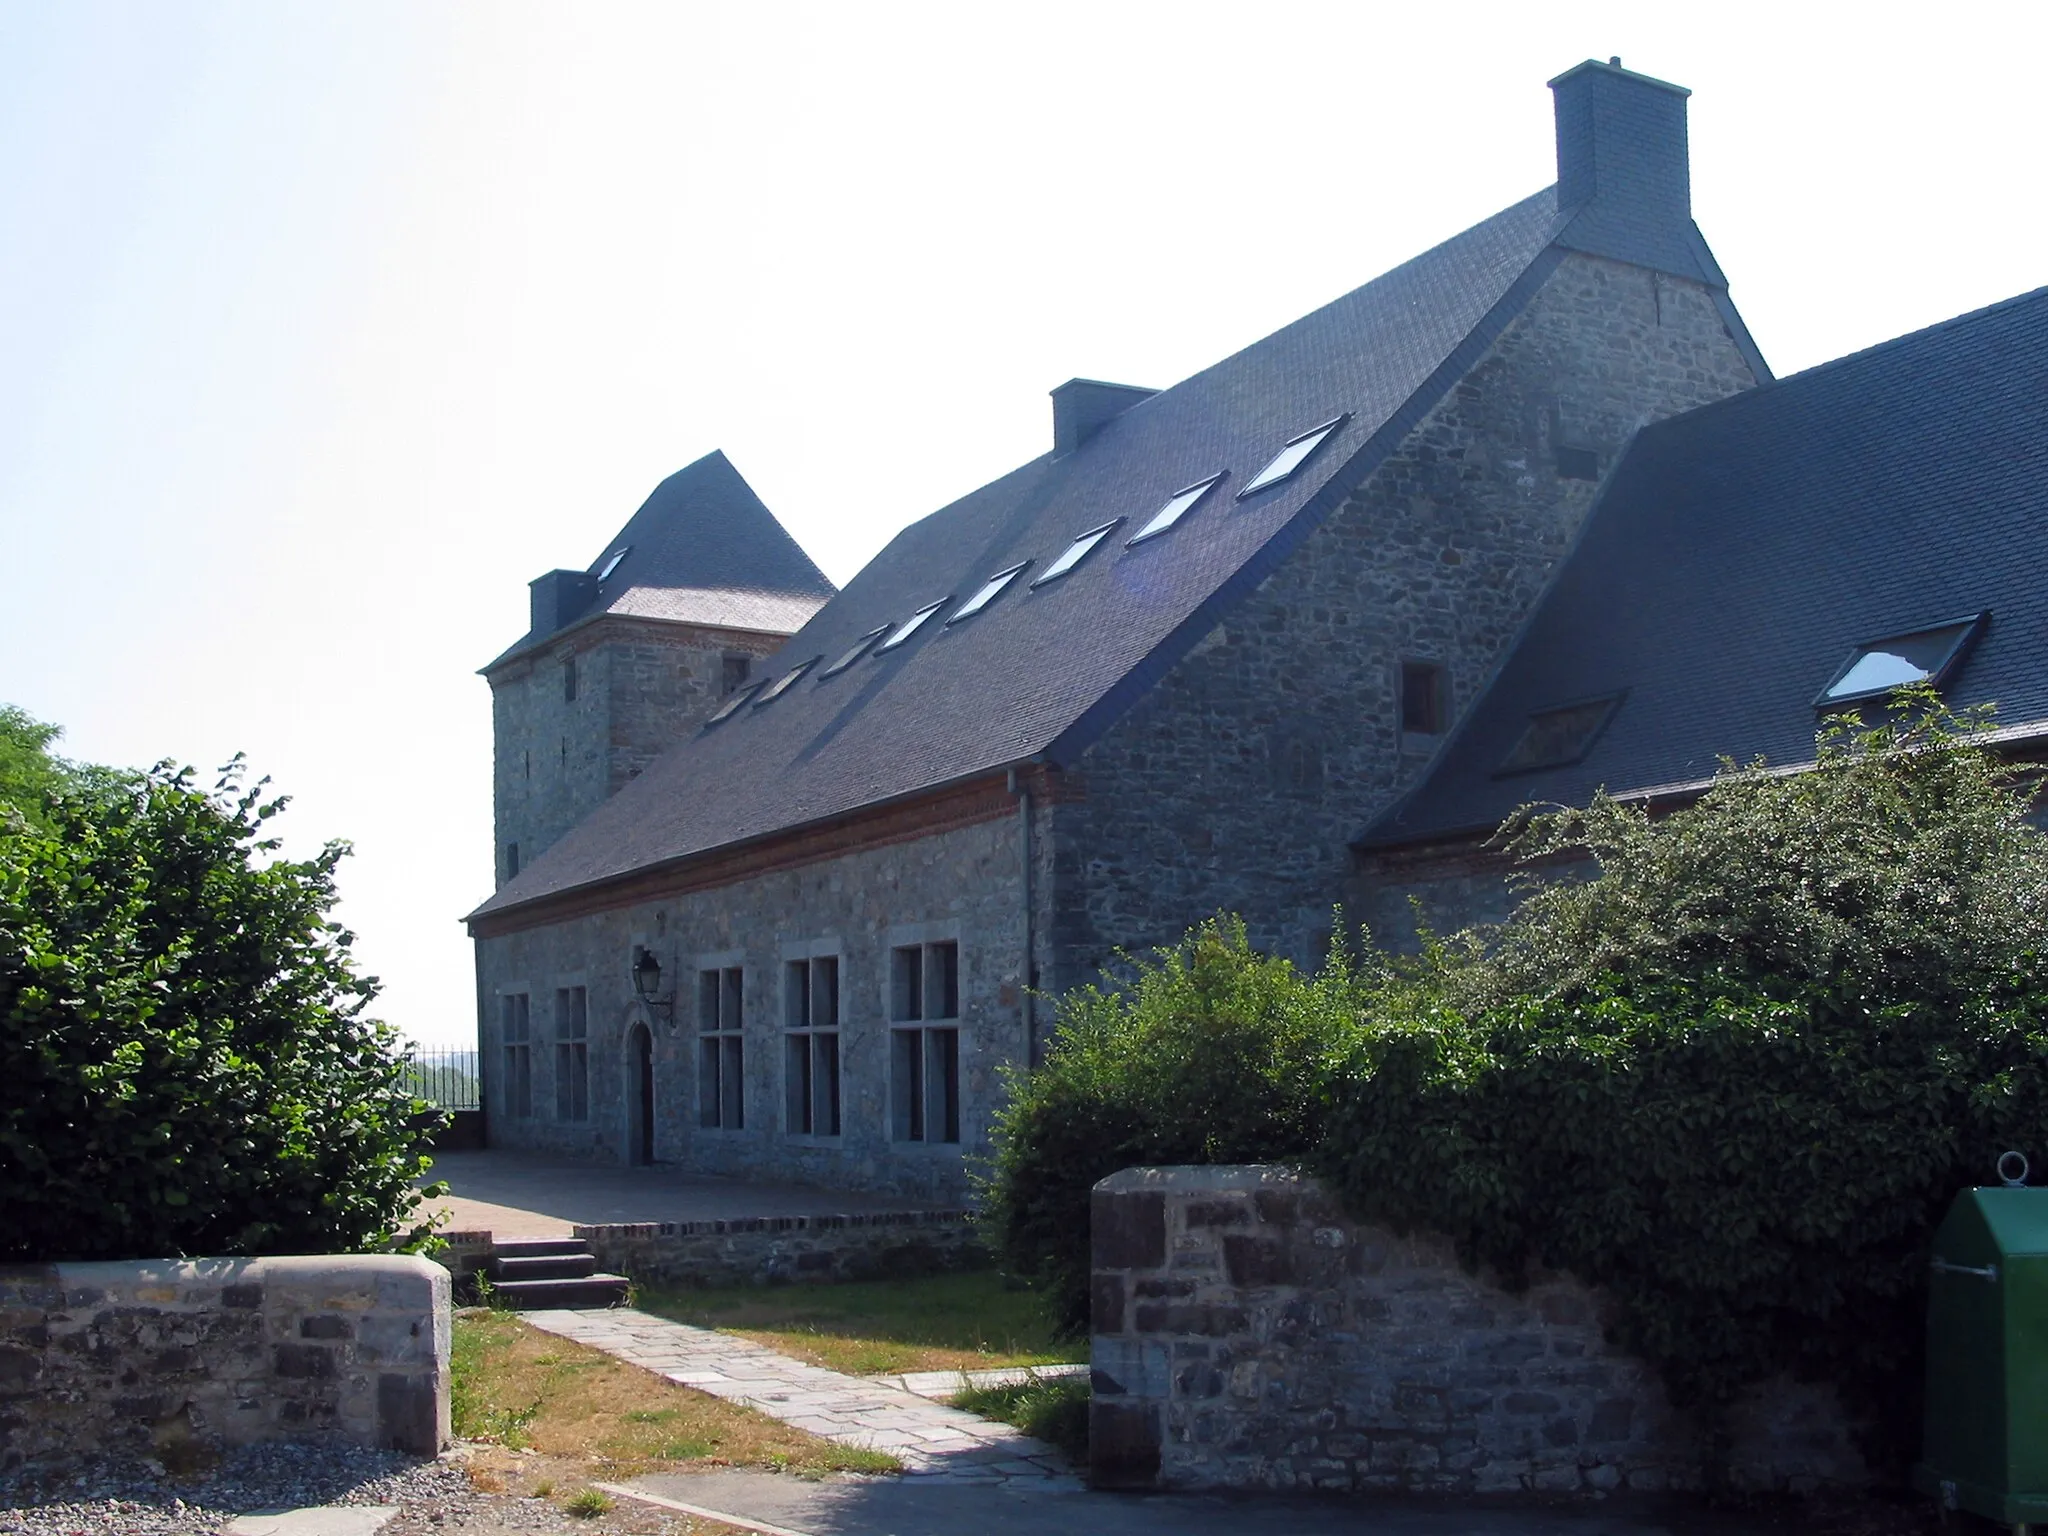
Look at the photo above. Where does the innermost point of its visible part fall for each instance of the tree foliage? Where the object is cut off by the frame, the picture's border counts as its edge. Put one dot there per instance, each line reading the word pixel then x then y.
pixel 1732 1067
pixel 185 1062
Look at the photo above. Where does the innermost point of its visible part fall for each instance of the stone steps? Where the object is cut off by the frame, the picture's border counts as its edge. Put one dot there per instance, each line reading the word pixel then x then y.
pixel 544 1274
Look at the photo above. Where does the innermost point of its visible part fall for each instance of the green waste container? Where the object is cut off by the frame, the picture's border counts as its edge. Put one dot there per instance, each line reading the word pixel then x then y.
pixel 1985 1445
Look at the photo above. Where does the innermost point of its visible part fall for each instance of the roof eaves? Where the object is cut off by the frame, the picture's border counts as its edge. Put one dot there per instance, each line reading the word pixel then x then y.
pixel 531 642
pixel 1064 749
pixel 2012 739
pixel 533 910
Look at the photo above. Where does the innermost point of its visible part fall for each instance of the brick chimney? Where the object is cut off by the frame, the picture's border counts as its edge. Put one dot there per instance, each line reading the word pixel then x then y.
pixel 1621 161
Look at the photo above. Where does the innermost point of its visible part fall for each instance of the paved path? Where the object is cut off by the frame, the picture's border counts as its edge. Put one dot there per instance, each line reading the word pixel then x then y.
pixel 930 1439
pixel 516 1194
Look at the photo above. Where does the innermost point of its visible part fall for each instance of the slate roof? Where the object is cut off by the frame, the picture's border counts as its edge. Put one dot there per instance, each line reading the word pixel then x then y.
pixel 703 549
pixel 1040 673
pixel 1742 551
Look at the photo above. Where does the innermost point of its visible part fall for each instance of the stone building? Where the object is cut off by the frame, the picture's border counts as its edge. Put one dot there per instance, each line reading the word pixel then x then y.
pixel 1170 667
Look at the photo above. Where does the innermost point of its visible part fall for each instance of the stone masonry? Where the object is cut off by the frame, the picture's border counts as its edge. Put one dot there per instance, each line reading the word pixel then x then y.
pixel 1248 1335
pixel 179 1359
pixel 961 885
pixel 1238 782
pixel 780 1250
pixel 640 684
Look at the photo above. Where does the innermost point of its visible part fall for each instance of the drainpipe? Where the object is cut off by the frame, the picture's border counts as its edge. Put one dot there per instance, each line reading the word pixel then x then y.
pixel 1023 793
pixel 486 1084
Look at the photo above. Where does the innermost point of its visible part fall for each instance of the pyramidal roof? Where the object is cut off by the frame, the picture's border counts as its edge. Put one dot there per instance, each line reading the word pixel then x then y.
pixel 702 549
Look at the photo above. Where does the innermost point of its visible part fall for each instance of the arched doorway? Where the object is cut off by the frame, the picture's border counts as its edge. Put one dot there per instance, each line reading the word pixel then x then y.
pixel 640 1094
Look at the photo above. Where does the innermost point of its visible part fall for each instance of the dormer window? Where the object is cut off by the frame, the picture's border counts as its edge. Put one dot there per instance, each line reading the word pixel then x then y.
pixel 784 683
pixel 858 649
pixel 910 626
pixel 1292 457
pixel 732 705
pixel 990 591
pixel 1075 553
pixel 1918 656
pixel 1177 507
pixel 1557 738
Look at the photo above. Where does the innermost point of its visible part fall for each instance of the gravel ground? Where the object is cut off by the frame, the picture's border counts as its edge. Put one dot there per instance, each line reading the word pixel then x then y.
pixel 141 1500
pixel 434 1498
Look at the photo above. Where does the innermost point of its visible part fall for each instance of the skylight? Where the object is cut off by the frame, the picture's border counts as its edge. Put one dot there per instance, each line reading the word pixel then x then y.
pixel 910 626
pixel 1074 553
pixel 613 563
pixel 1557 737
pixel 1292 457
pixel 784 683
pixel 990 591
pixel 854 653
pixel 1919 656
pixel 732 705
pixel 1182 503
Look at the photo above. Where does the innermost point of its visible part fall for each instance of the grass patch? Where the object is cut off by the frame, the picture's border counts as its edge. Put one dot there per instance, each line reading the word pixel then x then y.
pixel 1053 1411
pixel 588 1504
pixel 960 1322
pixel 571 1409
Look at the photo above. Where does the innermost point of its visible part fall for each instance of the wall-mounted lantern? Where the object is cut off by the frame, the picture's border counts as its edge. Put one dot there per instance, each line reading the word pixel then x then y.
pixel 647 984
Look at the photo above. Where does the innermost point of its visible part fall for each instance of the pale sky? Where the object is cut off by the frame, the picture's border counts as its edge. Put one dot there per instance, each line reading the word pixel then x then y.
pixel 326 327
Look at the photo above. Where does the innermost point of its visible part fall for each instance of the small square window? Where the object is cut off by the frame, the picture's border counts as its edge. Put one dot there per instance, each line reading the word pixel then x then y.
pixel 1292 457
pixel 1177 507
pixel 855 652
pixel 1422 698
pixel 1919 656
pixel 1074 554
pixel 990 591
pixel 732 673
pixel 910 626
pixel 1577 463
pixel 1556 738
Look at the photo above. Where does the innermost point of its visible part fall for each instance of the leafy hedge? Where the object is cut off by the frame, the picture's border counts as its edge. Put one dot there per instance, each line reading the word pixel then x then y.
pixel 185 1066
pixel 1735 1076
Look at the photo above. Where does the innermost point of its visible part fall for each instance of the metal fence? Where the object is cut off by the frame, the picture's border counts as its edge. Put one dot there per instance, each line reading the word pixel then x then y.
pixel 451 1079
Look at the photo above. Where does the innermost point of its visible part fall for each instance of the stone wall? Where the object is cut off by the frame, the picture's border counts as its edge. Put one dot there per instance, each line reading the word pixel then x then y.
pixel 961 884
pixel 789 1249
pixel 179 1359
pixel 1248 1335
pixel 640 684
pixel 1239 781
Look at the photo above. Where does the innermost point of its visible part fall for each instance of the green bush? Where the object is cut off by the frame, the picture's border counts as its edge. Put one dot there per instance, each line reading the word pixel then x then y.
pixel 185 1065
pixel 1211 1055
pixel 1733 1070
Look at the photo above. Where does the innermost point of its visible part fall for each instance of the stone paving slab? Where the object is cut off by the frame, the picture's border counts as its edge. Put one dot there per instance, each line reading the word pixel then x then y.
pixel 323 1520
pixel 872 1413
